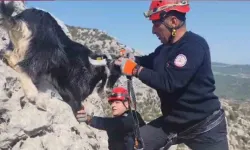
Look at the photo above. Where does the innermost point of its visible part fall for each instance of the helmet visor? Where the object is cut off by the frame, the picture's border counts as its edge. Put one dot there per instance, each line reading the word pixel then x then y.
pixel 117 97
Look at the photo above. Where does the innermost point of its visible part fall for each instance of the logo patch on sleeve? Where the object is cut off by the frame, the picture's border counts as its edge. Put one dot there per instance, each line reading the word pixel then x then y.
pixel 180 60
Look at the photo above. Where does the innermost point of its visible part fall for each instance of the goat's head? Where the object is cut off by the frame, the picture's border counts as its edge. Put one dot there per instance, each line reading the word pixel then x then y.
pixel 113 71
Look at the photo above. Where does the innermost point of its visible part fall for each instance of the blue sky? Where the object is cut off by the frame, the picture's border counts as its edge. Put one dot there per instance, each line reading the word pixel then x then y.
pixel 225 24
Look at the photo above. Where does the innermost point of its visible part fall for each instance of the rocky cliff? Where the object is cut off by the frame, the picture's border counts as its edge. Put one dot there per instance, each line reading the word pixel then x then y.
pixel 24 127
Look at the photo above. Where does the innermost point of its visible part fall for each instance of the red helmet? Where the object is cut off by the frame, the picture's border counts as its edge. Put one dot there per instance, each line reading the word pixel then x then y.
pixel 119 93
pixel 166 5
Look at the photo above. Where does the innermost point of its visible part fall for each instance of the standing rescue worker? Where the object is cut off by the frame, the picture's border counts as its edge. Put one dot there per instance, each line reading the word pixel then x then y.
pixel 180 71
pixel 120 129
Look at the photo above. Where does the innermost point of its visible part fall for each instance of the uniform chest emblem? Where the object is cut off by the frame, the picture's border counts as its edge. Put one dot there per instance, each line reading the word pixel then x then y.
pixel 180 60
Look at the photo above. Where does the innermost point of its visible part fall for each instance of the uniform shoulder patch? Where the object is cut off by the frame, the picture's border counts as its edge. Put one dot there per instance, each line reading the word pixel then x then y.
pixel 180 60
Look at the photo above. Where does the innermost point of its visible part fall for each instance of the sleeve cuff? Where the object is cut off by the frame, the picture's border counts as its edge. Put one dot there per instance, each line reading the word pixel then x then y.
pixel 144 74
pixel 92 122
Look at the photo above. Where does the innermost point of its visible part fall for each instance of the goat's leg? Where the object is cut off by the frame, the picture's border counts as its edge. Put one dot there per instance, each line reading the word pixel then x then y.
pixel 27 84
pixel 101 88
pixel 30 90
pixel 75 106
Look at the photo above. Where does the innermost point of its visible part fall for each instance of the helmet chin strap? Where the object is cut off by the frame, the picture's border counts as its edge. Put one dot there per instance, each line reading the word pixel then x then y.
pixel 123 102
pixel 172 31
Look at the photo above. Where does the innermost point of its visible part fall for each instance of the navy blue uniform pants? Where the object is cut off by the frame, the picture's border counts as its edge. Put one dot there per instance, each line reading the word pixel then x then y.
pixel 210 134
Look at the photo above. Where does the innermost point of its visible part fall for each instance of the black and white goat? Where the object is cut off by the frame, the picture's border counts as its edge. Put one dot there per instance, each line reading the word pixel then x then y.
pixel 40 47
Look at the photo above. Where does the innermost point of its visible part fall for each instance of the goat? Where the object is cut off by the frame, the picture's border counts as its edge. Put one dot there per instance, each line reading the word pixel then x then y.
pixel 41 48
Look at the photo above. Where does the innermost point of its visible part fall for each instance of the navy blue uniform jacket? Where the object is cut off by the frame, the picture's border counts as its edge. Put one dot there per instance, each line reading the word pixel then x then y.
pixel 182 76
pixel 119 129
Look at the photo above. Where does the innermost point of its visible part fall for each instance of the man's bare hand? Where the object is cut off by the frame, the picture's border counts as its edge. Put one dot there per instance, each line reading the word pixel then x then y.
pixel 82 116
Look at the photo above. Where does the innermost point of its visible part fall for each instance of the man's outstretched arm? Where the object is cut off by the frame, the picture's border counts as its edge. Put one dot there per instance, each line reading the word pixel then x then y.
pixel 109 124
pixel 174 75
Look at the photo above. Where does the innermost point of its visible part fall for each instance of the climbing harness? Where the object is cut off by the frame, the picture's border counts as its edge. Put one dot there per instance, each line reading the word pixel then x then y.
pixel 135 117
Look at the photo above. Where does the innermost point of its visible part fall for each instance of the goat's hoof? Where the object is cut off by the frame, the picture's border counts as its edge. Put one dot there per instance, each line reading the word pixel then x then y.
pixel 41 106
pixel 41 101
pixel 32 96
pixel 31 93
pixel 31 99
pixel 6 57
pixel 38 102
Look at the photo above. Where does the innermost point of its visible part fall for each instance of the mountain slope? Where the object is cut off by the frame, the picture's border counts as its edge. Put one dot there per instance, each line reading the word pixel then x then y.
pixel 232 81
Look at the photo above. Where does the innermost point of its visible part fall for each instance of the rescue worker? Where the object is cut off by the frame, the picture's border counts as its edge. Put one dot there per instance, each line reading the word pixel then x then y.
pixel 120 129
pixel 180 71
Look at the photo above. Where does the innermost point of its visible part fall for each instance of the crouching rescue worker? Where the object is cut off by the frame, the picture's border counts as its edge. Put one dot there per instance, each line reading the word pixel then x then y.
pixel 120 128
pixel 180 71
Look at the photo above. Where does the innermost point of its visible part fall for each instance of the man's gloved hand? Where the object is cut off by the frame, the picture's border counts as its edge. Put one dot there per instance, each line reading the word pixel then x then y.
pixel 127 54
pixel 82 116
pixel 127 66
